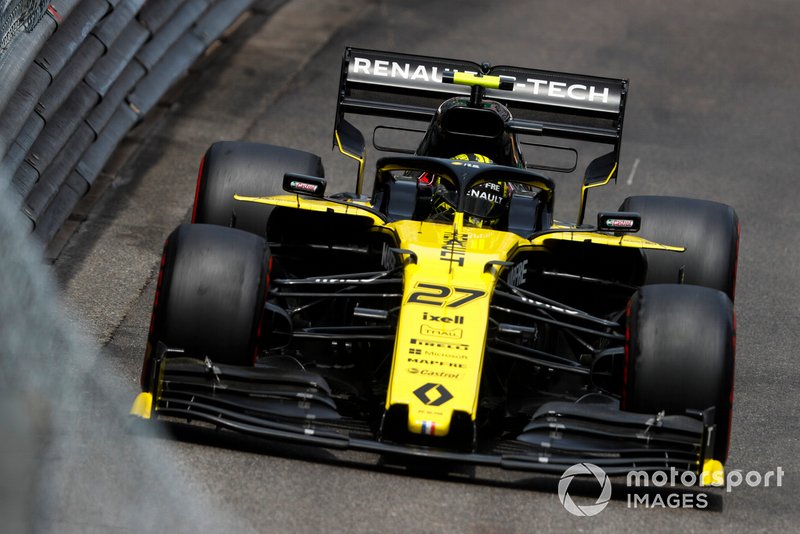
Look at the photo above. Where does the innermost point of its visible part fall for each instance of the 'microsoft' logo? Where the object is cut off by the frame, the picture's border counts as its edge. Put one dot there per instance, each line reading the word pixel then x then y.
pixel 587 510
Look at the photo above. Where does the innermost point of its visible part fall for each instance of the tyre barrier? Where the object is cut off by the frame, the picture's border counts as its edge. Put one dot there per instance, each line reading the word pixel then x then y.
pixel 74 85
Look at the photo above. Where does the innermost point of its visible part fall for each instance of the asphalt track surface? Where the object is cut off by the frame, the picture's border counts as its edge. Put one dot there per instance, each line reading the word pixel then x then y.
pixel 711 114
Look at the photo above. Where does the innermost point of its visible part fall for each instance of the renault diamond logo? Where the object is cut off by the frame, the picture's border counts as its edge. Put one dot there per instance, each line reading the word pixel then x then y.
pixel 443 395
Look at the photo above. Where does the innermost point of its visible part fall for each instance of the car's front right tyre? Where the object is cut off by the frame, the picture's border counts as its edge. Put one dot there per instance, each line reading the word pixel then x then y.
pixel 679 355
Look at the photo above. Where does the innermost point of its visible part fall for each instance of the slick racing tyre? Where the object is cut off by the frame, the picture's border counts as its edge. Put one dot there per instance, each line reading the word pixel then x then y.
pixel 708 230
pixel 680 355
pixel 250 169
pixel 211 293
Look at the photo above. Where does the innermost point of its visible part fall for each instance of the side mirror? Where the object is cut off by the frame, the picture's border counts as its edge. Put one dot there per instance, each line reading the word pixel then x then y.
pixel 302 184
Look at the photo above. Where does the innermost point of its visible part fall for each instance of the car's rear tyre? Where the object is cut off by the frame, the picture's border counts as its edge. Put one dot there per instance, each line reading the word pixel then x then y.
pixel 250 169
pixel 708 230
pixel 680 354
pixel 211 293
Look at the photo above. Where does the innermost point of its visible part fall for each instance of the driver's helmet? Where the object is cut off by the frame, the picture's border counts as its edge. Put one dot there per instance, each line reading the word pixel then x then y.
pixel 485 204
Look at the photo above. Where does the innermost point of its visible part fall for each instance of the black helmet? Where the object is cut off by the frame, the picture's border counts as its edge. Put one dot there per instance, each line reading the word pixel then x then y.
pixel 485 204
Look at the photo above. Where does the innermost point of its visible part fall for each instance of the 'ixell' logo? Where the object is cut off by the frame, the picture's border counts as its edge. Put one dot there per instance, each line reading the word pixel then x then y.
pixel 587 510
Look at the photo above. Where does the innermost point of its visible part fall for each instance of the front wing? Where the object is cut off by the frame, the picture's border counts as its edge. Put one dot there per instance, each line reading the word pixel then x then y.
pixel 297 406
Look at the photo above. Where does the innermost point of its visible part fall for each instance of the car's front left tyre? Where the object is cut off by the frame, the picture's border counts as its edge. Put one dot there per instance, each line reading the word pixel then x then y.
pixel 210 296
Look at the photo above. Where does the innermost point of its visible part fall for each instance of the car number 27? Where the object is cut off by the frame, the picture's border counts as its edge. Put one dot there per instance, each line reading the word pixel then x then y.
pixel 449 297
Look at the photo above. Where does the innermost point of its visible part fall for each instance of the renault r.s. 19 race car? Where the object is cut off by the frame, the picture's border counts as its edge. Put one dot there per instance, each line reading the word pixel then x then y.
pixel 449 315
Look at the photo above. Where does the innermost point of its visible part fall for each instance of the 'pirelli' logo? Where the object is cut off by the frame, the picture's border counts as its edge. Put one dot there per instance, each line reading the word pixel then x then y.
pixel 439 344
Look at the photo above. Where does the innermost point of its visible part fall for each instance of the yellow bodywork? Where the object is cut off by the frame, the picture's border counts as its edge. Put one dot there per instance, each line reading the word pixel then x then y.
pixel 358 157
pixel 624 240
pixel 713 474
pixel 441 333
pixel 142 405
pixel 324 206
pixel 482 80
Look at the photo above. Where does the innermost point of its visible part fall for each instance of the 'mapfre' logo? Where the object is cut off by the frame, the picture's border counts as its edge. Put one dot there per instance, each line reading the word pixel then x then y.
pixel 437 397
pixel 588 509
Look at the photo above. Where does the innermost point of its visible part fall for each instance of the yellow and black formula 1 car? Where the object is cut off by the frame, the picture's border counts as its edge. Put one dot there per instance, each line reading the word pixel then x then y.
pixel 448 314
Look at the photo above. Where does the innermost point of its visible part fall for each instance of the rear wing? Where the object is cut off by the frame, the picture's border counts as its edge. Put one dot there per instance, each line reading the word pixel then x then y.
pixel 544 103
pixel 406 86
